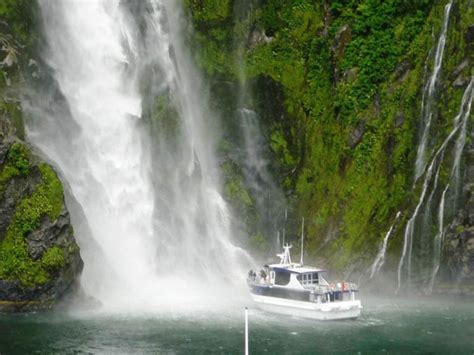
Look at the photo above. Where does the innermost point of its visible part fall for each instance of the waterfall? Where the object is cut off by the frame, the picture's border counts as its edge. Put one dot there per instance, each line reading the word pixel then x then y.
pixel 461 141
pixel 429 96
pixel 459 126
pixel 151 200
pixel 438 241
pixel 463 116
pixel 256 170
pixel 254 148
pixel 380 258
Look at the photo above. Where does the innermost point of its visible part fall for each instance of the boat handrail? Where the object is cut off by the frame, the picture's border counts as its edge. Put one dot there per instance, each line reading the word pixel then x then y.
pixel 334 287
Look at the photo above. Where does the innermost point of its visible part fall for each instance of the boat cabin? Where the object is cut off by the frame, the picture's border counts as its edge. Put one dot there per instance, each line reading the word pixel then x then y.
pixel 300 282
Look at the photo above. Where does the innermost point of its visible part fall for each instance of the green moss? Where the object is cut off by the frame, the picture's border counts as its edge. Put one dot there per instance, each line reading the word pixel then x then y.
pixel 210 10
pixel 46 200
pixel 17 163
pixel 20 15
pixel 53 259
pixel 330 85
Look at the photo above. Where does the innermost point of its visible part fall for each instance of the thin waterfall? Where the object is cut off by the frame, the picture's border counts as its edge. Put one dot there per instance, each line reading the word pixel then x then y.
pixel 458 123
pixel 463 116
pixel 438 241
pixel 380 258
pixel 429 96
pixel 152 200
pixel 255 167
pixel 408 236
pixel 461 141
pixel 269 199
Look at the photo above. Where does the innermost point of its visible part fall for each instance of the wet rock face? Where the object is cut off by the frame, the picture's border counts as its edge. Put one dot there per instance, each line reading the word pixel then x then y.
pixel 39 267
pixel 39 257
pixel 459 247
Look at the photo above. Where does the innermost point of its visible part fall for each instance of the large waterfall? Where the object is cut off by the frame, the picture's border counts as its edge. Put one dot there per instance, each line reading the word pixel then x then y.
pixel 130 131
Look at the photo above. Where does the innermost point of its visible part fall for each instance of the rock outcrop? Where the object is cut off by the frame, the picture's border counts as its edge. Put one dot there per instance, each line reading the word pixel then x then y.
pixel 39 258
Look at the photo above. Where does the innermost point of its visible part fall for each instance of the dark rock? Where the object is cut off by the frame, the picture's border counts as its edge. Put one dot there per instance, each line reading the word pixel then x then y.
pixel 49 235
pixel 469 35
pixel 357 134
pixel 343 36
pixel 402 70
pixel 460 82
pixel 15 297
pixel 456 71
pixel 399 120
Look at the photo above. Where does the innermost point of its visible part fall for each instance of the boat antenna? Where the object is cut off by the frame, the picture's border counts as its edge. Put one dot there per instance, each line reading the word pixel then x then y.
pixel 302 240
pixel 278 239
pixel 284 225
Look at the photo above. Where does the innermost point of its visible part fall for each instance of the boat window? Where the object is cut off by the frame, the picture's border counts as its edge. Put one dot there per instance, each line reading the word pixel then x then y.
pixel 282 278
pixel 308 279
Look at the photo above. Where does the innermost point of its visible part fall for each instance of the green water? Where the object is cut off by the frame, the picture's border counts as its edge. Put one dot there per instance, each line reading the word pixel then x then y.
pixel 386 325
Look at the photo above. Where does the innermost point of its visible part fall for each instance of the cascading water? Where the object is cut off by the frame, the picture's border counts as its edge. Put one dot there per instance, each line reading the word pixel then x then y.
pixel 380 258
pixel 152 202
pixel 459 127
pixel 429 96
pixel 438 240
pixel 466 104
pixel 253 147
pixel 255 168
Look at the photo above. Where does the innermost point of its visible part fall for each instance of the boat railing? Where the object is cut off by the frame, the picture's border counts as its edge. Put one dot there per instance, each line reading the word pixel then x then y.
pixel 335 287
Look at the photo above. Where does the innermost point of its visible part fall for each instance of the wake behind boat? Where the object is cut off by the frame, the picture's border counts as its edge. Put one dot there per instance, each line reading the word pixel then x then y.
pixel 294 289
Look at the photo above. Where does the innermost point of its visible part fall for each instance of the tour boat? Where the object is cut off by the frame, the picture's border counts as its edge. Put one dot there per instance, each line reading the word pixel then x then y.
pixel 294 289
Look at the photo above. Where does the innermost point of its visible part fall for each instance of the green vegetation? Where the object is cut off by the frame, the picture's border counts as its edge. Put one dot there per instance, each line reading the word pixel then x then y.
pixel 351 73
pixel 46 200
pixel 20 15
pixel 17 164
pixel 53 259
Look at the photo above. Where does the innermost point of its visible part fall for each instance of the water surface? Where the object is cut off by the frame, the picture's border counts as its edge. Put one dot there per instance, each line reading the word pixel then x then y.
pixel 386 325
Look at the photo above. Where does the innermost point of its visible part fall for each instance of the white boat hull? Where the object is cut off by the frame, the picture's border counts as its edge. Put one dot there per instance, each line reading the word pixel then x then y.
pixel 321 311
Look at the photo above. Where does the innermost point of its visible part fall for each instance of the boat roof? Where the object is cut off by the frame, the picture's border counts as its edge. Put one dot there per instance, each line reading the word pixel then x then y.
pixel 295 268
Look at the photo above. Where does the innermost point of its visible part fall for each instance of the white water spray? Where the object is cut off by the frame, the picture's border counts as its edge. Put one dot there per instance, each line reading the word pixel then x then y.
pixel 463 116
pixel 461 141
pixel 409 229
pixel 429 93
pixel 438 241
pixel 157 214
pixel 380 258
pixel 458 123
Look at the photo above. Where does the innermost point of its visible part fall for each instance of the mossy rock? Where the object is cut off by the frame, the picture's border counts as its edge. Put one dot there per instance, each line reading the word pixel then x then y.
pixel 39 257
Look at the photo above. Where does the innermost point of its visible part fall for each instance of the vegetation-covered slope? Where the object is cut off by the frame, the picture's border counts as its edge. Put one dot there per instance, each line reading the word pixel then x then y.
pixel 345 81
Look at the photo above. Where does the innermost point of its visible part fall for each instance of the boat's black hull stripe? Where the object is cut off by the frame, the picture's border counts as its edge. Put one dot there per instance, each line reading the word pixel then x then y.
pixel 280 293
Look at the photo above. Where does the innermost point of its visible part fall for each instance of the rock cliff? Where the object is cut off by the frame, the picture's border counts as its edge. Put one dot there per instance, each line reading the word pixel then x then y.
pixel 39 258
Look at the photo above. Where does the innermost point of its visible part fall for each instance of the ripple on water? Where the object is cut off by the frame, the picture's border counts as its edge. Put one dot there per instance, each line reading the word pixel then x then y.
pixel 447 328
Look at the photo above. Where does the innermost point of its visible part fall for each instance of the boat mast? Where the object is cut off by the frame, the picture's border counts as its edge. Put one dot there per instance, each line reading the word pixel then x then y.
pixel 302 240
